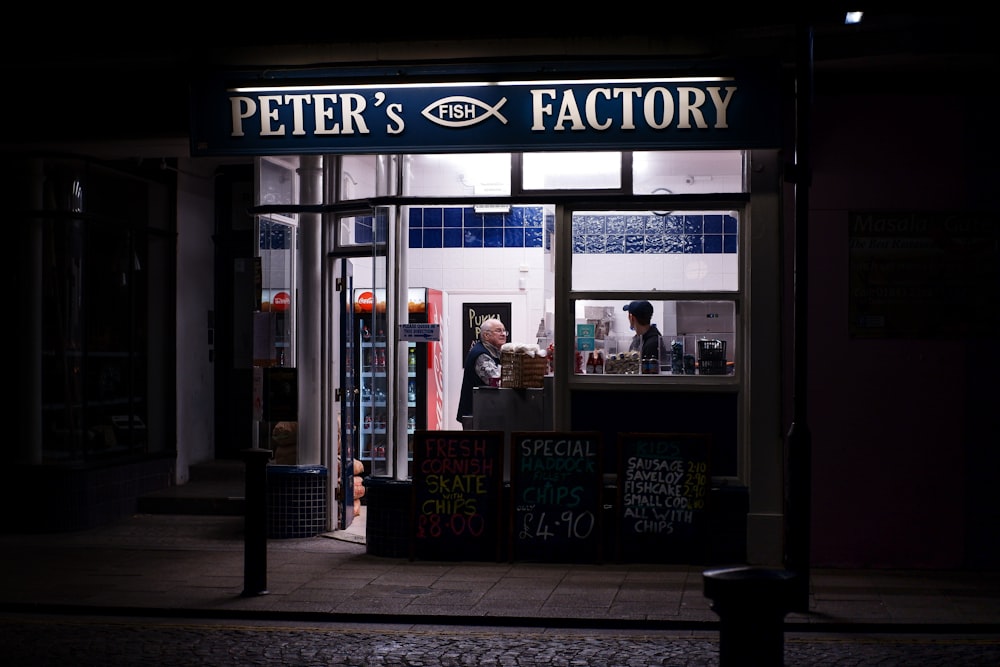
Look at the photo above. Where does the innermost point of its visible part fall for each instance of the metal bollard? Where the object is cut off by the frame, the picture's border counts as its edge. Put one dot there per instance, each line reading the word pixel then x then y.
pixel 255 523
pixel 752 604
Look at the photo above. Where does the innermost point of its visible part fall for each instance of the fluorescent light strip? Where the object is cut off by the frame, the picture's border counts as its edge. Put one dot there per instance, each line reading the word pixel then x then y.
pixel 479 84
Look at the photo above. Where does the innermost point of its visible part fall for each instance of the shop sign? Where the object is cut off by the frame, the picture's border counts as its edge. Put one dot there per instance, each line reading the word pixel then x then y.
pixel 923 274
pixel 286 117
pixel 281 301
pixel 367 301
pixel 420 333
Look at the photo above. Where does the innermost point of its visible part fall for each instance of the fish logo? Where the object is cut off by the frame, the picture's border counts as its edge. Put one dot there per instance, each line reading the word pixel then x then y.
pixel 462 111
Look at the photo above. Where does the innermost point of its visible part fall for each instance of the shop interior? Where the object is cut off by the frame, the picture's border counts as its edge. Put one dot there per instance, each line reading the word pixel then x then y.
pixel 450 239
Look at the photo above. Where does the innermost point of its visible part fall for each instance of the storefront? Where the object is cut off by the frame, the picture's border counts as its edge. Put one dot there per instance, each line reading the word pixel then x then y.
pixel 395 202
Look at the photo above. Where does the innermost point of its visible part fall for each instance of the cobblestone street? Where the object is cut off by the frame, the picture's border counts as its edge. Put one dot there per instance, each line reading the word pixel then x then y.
pixel 43 640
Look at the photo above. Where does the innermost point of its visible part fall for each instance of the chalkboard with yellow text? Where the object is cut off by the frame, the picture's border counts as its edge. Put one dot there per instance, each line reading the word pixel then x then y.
pixel 663 485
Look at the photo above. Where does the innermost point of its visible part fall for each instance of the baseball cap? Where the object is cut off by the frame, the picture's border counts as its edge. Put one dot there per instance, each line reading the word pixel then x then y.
pixel 641 309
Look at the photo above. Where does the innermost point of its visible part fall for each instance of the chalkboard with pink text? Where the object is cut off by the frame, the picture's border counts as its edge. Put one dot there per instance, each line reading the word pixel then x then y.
pixel 457 482
pixel 663 485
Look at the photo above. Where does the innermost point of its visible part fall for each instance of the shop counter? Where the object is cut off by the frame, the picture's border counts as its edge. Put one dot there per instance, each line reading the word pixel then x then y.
pixel 512 410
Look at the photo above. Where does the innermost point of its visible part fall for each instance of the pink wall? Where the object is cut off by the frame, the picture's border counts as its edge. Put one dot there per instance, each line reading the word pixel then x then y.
pixel 894 429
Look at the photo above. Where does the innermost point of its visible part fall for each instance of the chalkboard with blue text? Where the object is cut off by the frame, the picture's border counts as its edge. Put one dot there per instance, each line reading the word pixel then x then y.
pixel 556 491
pixel 663 484
pixel 457 481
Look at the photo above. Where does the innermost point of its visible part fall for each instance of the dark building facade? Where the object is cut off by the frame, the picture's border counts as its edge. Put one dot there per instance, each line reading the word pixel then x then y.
pixel 888 358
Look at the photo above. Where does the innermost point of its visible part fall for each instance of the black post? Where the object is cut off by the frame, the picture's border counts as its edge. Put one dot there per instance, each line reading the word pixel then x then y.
pixel 255 523
pixel 751 604
pixel 798 444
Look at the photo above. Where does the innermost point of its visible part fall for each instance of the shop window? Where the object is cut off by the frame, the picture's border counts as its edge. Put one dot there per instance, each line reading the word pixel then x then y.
pixel 697 338
pixel 364 176
pixel 572 171
pixel 97 306
pixel 466 175
pixel 278 184
pixel 274 343
pixel 687 172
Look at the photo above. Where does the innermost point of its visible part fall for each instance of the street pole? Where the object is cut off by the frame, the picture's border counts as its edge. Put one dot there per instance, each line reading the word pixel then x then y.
pixel 255 522
pixel 798 445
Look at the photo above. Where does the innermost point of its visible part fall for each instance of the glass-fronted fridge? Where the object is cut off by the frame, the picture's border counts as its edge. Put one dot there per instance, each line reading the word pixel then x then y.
pixel 423 389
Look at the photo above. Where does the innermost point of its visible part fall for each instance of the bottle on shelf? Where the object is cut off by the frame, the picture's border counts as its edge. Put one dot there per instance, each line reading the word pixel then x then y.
pixel 412 359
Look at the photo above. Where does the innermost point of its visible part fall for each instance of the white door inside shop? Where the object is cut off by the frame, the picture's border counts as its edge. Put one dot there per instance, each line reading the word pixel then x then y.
pixel 522 329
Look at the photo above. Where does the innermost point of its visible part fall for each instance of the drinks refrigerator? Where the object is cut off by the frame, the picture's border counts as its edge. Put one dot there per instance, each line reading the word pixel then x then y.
pixel 423 390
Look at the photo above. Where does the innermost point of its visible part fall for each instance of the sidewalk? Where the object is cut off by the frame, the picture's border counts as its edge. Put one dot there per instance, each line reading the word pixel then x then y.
pixel 193 566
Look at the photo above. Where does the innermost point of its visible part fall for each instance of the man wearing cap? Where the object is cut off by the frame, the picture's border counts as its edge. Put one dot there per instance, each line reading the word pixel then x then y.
pixel 647 337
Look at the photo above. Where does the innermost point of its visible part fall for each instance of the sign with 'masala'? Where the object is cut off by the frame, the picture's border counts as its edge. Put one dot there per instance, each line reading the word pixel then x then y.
pixel 286 117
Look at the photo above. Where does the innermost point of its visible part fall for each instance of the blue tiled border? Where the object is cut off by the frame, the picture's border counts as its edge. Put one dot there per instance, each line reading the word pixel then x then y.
pixel 527 227
pixel 654 234
pixel 435 227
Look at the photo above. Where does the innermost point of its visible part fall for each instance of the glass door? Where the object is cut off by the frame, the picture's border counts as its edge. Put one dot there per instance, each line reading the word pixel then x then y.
pixel 362 349
pixel 347 435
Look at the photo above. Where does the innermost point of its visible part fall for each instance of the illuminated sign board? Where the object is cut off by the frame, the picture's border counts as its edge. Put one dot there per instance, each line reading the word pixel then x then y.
pixel 284 116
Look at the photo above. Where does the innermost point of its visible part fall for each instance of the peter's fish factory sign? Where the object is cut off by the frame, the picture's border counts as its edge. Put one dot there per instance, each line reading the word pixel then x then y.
pixel 282 115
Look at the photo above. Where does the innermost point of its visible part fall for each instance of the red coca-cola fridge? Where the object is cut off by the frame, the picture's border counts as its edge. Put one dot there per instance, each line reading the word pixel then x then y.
pixel 424 382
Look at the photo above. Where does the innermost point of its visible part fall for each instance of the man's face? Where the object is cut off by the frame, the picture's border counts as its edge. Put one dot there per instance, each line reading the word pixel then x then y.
pixel 631 321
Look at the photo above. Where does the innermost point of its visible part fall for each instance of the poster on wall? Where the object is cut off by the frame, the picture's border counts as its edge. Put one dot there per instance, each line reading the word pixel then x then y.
pixel 922 275
pixel 474 314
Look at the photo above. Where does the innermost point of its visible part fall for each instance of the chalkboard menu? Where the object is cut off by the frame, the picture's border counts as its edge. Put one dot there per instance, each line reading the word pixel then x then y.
pixel 663 482
pixel 556 488
pixel 457 479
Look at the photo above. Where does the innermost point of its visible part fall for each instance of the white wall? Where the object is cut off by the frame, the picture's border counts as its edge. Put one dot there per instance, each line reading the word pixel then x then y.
pixel 480 274
pixel 195 300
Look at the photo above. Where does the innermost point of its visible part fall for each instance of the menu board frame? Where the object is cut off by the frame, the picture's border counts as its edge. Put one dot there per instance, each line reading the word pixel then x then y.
pixel 666 520
pixel 556 497
pixel 457 496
